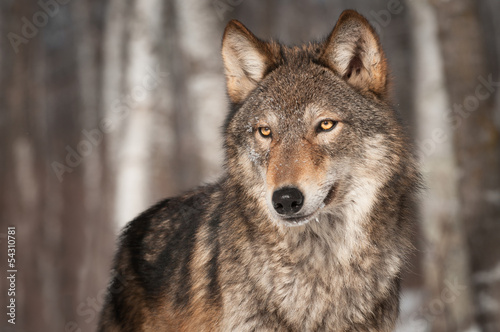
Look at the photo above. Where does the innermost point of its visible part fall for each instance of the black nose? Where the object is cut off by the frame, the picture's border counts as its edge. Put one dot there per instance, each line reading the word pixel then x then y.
pixel 288 200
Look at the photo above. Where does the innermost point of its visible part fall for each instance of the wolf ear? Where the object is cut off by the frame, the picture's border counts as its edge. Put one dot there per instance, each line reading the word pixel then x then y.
pixel 354 51
pixel 246 60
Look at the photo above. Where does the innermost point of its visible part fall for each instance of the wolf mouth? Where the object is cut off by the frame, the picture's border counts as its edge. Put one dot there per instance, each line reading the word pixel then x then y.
pixel 331 195
pixel 297 221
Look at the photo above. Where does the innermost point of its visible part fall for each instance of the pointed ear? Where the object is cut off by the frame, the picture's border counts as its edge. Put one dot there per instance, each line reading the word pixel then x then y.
pixel 246 60
pixel 354 51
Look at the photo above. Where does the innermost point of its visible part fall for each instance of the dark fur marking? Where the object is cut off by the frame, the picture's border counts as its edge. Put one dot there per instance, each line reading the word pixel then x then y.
pixel 173 261
pixel 354 66
pixel 134 233
pixel 282 54
pixel 213 268
pixel 131 238
pixel 118 306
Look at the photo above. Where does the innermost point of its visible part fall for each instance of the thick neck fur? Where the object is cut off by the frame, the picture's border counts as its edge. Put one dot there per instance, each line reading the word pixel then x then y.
pixel 349 260
pixel 330 262
pixel 343 232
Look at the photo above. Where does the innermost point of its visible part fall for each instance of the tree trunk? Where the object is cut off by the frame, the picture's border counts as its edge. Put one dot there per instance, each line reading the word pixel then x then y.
pixel 52 188
pixel 200 103
pixel 448 305
pixel 133 84
pixel 472 87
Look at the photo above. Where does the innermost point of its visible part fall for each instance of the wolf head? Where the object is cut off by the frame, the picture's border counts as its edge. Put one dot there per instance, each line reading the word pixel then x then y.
pixel 311 131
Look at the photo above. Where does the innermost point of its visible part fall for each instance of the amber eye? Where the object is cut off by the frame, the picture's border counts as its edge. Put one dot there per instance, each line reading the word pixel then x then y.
pixel 265 131
pixel 327 125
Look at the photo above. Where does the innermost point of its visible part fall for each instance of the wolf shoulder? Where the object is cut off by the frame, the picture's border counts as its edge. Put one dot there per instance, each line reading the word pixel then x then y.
pixel 169 228
pixel 154 254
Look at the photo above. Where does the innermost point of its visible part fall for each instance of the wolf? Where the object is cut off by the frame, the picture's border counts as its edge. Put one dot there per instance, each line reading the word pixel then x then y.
pixel 309 225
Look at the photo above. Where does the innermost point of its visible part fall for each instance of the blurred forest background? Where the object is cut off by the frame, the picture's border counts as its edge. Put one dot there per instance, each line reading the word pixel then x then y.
pixel 107 106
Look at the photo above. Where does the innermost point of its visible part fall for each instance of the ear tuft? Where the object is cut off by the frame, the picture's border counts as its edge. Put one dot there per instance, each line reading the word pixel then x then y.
pixel 354 51
pixel 246 60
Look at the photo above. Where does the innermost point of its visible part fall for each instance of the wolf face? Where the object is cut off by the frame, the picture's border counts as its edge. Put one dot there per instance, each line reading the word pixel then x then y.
pixel 319 136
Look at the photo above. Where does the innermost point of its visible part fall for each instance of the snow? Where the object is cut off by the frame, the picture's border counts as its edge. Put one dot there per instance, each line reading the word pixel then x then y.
pixel 411 302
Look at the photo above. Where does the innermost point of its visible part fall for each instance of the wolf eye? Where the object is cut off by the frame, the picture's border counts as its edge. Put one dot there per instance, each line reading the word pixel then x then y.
pixel 327 125
pixel 265 131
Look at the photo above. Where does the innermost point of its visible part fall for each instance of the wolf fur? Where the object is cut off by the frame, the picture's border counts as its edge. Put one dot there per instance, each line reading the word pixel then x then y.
pixel 223 257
